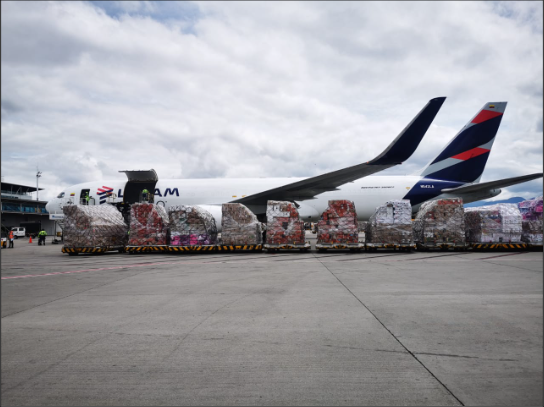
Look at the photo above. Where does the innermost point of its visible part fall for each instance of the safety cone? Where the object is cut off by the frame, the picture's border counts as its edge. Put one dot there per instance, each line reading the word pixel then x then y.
pixel 30 240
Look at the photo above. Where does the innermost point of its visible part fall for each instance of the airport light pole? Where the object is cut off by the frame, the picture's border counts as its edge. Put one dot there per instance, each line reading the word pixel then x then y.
pixel 38 175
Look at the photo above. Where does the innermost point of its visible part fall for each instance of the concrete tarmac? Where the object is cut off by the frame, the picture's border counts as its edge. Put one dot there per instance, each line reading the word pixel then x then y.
pixel 334 328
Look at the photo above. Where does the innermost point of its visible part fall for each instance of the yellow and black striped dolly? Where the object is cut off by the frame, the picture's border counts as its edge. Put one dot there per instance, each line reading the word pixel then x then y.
pixel 192 249
pixel 321 247
pixel 372 247
pixel 499 246
pixel 73 251
pixel 146 249
pixel 271 248
pixel 240 248
pixel 442 246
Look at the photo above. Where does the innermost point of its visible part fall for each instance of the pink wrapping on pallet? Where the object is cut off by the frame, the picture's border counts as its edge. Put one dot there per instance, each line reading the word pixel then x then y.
pixel 531 209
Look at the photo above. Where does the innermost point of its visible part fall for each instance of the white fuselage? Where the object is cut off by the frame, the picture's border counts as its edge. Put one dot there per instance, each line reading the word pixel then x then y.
pixel 366 193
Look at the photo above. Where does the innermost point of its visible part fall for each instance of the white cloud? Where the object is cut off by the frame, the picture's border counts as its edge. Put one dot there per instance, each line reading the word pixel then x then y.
pixel 259 88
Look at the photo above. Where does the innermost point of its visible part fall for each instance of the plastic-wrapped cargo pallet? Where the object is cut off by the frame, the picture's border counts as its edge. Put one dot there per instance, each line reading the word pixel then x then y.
pixel 338 224
pixel 94 226
pixel 239 226
pixel 499 223
pixel 191 226
pixel 148 225
pixel 531 223
pixel 441 221
pixel 391 224
pixel 283 224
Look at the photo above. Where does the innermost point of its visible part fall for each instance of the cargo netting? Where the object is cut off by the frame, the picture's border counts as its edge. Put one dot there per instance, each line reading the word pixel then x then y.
pixel 191 226
pixel 283 224
pixel 440 221
pixel 94 226
pixel 239 226
pixel 338 224
pixel 499 223
pixel 391 224
pixel 148 225
pixel 531 224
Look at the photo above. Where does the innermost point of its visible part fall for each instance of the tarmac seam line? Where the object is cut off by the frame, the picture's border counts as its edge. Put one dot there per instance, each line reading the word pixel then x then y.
pixel 393 335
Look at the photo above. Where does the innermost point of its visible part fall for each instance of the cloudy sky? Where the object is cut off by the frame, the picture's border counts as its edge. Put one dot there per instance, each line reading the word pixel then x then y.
pixel 260 89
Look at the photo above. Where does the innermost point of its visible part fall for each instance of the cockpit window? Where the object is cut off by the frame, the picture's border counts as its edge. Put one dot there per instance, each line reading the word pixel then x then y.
pixel 61 195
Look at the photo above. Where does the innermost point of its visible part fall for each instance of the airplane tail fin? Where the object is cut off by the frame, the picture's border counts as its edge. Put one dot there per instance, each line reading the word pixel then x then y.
pixel 464 158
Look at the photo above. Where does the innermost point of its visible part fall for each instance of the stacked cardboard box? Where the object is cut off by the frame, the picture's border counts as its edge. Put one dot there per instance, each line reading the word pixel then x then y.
pixel 440 221
pixel 239 226
pixel 338 224
pixel 191 226
pixel 148 225
pixel 283 224
pixel 391 224
pixel 493 224
pixel 93 226
pixel 531 224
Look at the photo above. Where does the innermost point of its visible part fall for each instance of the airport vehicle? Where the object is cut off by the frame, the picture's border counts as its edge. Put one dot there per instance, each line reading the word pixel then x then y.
pixel 18 232
pixel 455 172
pixel 4 240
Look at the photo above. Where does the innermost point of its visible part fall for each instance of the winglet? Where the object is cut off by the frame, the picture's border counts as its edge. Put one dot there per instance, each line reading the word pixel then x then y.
pixel 408 140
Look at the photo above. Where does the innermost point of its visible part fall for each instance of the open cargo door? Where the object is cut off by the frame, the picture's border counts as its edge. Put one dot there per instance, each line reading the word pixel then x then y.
pixel 138 180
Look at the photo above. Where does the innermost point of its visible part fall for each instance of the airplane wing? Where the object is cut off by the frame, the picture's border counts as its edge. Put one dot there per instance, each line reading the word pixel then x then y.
pixel 397 152
pixel 488 186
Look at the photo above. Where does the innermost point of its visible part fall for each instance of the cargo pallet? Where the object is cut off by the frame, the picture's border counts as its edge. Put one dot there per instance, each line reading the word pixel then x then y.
pixel 499 246
pixel 193 248
pixel 372 247
pixel 146 249
pixel 424 247
pixel 74 251
pixel 323 247
pixel 271 248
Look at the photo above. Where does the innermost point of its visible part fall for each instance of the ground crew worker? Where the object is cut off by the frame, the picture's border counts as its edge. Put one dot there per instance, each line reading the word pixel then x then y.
pixel 11 239
pixel 41 237
pixel 145 194
pixel 87 198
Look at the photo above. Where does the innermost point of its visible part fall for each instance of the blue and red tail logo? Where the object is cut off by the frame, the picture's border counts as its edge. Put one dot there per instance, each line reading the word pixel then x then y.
pixel 104 193
pixel 464 158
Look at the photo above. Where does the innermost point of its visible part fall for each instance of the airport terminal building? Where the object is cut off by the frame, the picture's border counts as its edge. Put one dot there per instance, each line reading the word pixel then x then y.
pixel 20 207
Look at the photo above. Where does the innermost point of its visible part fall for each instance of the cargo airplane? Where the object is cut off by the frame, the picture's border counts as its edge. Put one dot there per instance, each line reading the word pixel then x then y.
pixel 455 172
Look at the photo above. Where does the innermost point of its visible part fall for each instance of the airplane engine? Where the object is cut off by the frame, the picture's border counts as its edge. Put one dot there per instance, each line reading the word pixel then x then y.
pixel 216 212
pixel 307 212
